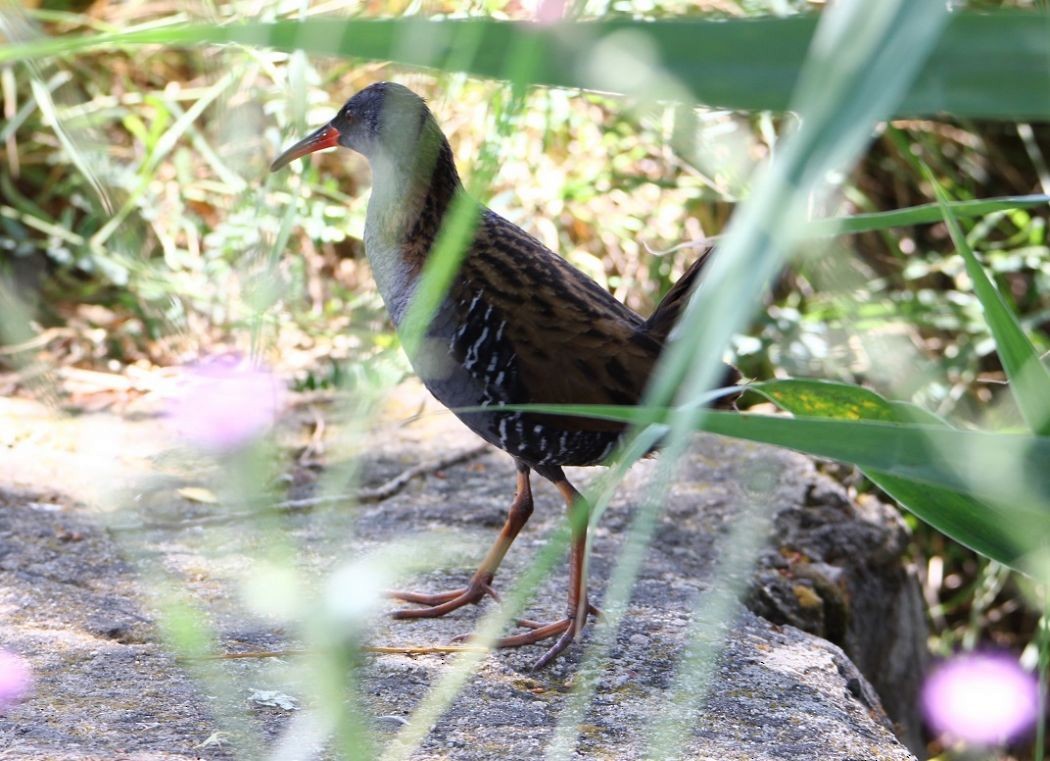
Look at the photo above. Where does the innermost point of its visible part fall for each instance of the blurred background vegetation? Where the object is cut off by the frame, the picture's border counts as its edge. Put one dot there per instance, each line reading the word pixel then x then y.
pixel 178 261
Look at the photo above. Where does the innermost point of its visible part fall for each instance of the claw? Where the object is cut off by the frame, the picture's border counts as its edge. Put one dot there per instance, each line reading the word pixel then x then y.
pixel 566 630
pixel 566 639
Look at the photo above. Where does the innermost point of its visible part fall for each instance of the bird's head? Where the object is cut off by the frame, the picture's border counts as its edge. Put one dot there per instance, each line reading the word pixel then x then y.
pixel 383 120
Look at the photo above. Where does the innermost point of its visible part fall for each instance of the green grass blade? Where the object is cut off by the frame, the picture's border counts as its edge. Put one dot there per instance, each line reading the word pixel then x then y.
pixel 854 80
pixel 989 65
pixel 827 399
pixel 1029 377
pixel 839 99
pixel 981 526
pixel 440 271
pixel 457 229
pixel 989 465
pixel 922 214
pixel 831 399
pixel 1004 467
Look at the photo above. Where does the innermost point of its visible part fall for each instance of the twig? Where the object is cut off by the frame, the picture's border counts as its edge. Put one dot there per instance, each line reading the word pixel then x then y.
pixel 316 445
pixel 417 415
pixel 37 341
pixel 423 649
pixel 388 489
pixel 375 649
pixel 374 494
pixel 707 243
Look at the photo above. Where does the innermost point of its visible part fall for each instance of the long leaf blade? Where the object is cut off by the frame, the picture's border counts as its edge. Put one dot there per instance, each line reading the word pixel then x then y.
pixel 985 65
pixel 982 526
pixel 1011 469
pixel 1029 377
pixel 921 214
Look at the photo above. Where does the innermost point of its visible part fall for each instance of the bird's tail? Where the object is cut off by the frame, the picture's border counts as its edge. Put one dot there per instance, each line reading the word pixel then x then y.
pixel 666 314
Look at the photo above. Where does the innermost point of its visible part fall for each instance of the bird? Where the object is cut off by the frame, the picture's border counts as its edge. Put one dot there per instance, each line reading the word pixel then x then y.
pixel 519 325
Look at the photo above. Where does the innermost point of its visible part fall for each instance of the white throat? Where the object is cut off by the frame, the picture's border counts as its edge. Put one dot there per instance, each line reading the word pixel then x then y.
pixel 393 206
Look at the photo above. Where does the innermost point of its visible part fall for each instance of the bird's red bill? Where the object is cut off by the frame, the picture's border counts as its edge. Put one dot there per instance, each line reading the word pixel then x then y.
pixel 326 137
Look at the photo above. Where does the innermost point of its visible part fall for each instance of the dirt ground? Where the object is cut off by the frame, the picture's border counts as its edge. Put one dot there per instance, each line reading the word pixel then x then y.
pixel 108 531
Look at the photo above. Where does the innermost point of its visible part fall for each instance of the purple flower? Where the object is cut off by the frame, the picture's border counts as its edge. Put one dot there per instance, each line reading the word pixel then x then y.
pixel 15 678
pixel 550 12
pixel 984 699
pixel 223 402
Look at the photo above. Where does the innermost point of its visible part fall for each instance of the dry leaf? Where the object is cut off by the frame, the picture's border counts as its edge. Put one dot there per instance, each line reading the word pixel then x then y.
pixel 198 494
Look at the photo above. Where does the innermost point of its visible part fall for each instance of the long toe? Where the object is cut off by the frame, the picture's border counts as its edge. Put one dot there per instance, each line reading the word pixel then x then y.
pixel 440 603
pixel 423 598
pixel 538 632
pixel 436 611
pixel 565 630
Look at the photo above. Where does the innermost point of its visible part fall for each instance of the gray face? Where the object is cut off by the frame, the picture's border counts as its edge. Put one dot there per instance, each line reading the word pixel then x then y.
pixel 384 117
pixel 383 122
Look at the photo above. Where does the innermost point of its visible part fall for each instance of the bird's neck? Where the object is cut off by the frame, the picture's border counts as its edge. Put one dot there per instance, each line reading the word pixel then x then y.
pixel 412 189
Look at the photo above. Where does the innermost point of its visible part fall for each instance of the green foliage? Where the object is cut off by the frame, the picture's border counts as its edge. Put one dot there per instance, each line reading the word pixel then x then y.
pixel 1029 377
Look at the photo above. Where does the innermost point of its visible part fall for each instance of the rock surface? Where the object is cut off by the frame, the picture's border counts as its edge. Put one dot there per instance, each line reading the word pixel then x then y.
pixel 835 571
pixel 83 602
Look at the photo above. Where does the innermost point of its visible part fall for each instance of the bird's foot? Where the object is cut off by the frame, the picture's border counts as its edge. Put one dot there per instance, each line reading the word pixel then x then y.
pixel 566 630
pixel 440 603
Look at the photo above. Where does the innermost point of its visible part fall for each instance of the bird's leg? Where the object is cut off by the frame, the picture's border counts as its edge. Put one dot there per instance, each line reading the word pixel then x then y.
pixel 481 582
pixel 568 628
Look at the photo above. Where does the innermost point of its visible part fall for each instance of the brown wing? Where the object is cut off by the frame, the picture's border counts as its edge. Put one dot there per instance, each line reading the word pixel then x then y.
pixel 574 343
